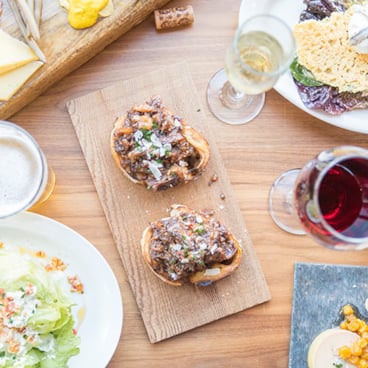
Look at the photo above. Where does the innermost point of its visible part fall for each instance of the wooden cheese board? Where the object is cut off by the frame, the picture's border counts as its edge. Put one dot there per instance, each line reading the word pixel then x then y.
pixel 166 310
pixel 67 48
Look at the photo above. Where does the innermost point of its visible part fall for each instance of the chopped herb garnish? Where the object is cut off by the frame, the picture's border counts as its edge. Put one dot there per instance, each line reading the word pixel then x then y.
pixel 2 354
pixel 200 230
pixel 155 125
pixel 338 365
pixel 198 110
pixel 147 134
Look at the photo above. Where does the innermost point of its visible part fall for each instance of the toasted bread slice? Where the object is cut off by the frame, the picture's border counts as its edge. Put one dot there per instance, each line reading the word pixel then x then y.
pixel 156 148
pixel 190 247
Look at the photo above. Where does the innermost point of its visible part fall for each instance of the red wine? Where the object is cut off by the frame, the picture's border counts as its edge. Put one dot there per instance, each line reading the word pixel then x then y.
pixel 342 200
pixel 340 197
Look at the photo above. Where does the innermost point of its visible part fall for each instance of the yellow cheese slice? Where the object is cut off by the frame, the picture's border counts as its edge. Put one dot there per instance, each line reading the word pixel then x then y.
pixel 11 82
pixel 13 53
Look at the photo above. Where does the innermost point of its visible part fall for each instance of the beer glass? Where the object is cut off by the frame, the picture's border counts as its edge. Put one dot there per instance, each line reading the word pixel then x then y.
pixel 26 180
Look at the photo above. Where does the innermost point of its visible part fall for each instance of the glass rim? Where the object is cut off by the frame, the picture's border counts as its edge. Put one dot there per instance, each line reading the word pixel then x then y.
pixel 289 59
pixel 354 152
pixel 44 167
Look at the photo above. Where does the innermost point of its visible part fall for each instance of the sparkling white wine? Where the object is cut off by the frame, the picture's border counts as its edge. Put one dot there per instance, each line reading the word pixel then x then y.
pixel 253 62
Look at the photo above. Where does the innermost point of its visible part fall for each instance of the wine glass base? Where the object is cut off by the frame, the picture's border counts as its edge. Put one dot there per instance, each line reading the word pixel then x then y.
pixel 281 203
pixel 236 111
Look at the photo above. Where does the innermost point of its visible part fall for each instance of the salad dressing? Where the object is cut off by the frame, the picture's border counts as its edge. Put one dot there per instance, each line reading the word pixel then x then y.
pixel 36 319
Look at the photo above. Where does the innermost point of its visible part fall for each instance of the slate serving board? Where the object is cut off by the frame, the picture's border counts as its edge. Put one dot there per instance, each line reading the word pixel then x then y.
pixel 320 291
pixel 166 310
pixel 66 48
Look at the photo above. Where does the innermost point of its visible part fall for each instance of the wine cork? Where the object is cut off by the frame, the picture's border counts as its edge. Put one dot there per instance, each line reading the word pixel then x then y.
pixel 174 17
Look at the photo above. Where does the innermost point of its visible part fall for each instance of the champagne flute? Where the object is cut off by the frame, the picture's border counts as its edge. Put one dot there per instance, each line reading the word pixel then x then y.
pixel 326 199
pixel 262 49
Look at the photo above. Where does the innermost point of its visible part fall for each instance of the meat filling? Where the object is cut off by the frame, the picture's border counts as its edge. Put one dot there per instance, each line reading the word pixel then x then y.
pixel 187 243
pixel 153 148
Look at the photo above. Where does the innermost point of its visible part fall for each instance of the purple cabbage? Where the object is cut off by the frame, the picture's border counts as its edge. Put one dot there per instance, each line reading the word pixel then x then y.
pixel 319 9
pixel 328 98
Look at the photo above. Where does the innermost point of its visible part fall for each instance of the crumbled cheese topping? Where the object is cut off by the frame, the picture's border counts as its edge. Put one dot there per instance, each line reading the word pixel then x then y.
pixel 16 338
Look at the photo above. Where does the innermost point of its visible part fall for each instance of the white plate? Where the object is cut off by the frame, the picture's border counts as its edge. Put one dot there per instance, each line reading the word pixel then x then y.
pixel 289 11
pixel 102 323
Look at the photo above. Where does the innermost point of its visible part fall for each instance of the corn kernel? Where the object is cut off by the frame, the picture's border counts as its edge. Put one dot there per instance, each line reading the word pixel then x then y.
pixel 347 309
pixel 356 349
pixel 363 363
pixel 364 354
pixel 353 359
pixel 344 325
pixel 362 342
pixel 363 329
pixel 344 352
pixel 353 325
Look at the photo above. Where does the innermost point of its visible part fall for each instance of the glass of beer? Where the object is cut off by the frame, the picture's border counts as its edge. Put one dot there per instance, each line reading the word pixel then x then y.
pixel 26 180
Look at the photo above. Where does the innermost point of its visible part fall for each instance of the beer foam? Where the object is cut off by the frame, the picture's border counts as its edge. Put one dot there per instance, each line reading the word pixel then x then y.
pixel 21 172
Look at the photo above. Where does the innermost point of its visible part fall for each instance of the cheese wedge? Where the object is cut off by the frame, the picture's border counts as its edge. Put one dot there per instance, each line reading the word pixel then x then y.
pixel 11 82
pixel 13 53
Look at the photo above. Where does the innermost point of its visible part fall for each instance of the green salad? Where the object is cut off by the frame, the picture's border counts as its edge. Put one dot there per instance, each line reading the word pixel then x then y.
pixel 36 322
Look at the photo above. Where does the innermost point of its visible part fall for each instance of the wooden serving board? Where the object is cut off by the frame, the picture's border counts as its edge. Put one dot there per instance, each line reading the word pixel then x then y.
pixel 66 48
pixel 166 310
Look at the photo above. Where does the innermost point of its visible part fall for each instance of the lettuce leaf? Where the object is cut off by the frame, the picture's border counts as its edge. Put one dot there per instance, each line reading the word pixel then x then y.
pixel 303 75
pixel 51 320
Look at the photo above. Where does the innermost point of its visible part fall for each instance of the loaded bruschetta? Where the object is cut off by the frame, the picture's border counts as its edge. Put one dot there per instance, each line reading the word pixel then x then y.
pixel 190 246
pixel 156 148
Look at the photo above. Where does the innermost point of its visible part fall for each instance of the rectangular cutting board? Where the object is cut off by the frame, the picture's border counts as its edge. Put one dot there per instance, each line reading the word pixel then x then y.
pixel 66 48
pixel 166 310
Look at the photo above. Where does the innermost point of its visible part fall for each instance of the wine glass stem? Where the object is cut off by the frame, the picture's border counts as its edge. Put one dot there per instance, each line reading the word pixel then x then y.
pixel 233 98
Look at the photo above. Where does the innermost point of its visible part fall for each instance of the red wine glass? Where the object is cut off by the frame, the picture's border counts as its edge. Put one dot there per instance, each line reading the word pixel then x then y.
pixel 326 199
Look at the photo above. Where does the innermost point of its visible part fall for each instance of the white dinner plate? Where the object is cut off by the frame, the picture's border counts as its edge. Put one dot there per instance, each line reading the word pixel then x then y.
pixel 289 11
pixel 101 324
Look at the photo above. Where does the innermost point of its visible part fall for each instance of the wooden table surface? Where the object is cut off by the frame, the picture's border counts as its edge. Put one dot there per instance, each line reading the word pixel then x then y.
pixel 280 138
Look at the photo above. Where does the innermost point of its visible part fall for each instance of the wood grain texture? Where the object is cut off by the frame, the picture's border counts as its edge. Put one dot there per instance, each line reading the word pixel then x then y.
pixel 66 48
pixel 166 310
pixel 280 138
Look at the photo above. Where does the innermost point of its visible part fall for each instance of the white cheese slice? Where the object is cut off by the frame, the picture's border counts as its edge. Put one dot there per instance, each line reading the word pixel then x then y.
pixel 323 351
pixel 13 53
pixel 212 272
pixel 11 82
